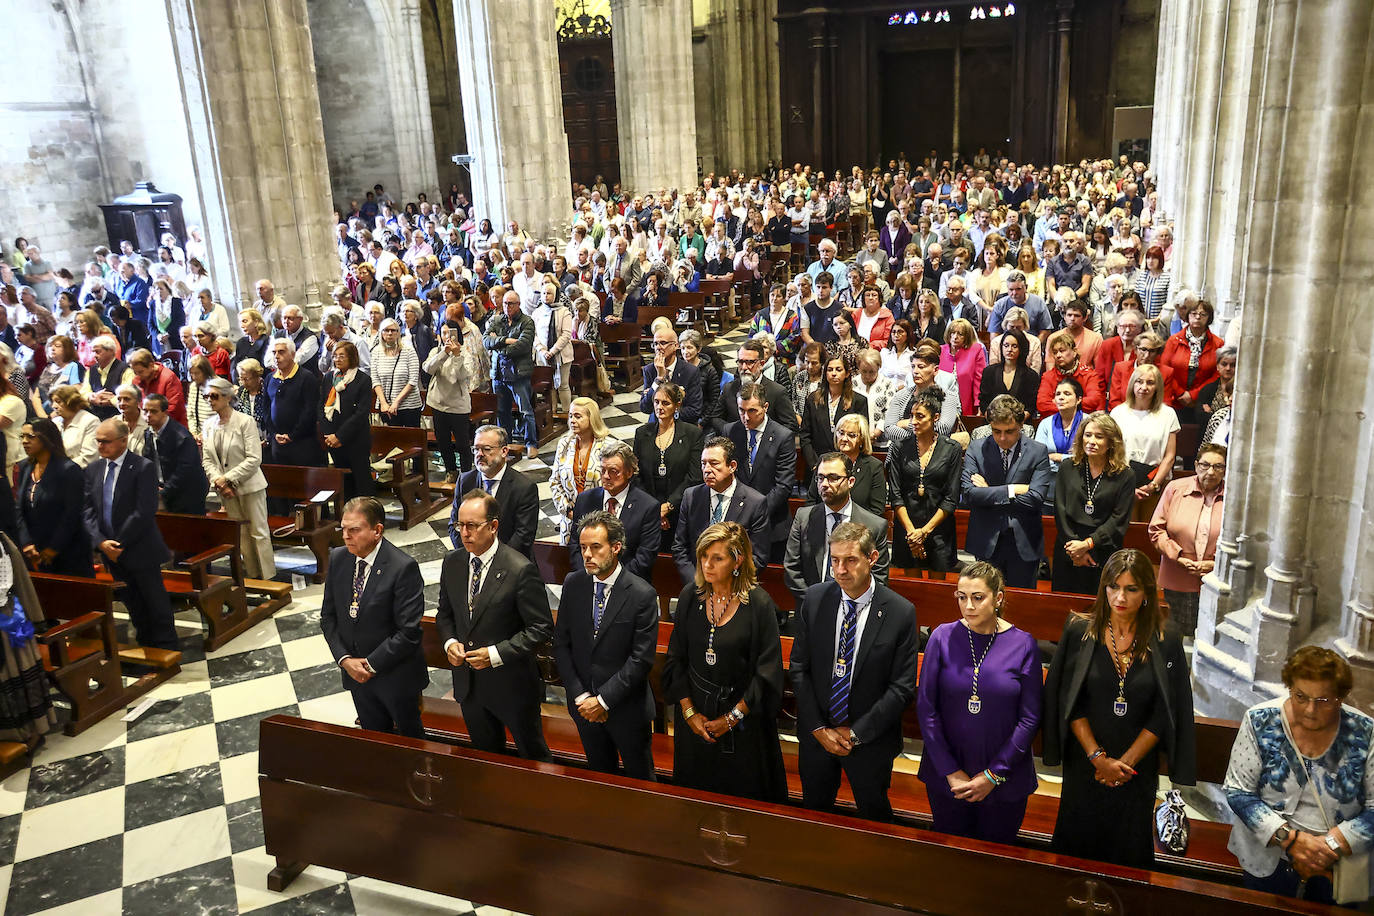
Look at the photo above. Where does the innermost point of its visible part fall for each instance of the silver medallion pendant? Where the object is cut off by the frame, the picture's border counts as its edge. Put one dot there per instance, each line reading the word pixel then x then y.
pixel 975 705
pixel 1119 707
pixel 353 610
pixel 1089 506
pixel 840 668
pixel 921 490
pixel 710 656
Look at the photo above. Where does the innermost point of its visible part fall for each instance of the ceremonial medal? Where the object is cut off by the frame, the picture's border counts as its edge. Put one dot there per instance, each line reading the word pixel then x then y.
pixel 353 610
pixel 1119 707
pixel 840 667
pixel 710 656
pixel 974 704
pixel 921 490
pixel 1089 506
pixel 662 468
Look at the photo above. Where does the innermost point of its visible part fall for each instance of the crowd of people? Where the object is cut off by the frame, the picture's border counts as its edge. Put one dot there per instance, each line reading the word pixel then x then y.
pixel 1005 339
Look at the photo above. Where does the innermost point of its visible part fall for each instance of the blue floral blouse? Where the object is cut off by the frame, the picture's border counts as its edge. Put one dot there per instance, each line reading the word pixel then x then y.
pixel 1266 785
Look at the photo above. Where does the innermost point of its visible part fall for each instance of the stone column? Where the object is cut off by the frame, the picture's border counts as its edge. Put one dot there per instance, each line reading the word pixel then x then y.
pixel 409 90
pixel 1063 34
pixel 513 113
pixel 655 109
pixel 1296 537
pixel 253 111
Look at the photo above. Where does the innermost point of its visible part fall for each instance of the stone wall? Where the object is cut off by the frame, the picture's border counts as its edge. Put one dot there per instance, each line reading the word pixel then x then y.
pixel 359 127
pixel 445 98
pixel 1136 53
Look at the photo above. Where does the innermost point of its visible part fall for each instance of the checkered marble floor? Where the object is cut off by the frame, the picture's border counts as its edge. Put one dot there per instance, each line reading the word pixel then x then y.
pixel 160 815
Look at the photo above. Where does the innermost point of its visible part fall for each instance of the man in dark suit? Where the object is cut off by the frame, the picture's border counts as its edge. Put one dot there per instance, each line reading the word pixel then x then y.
pixel 770 460
pixel 1006 480
pixel 749 370
pixel 121 519
pixel 853 670
pixel 516 495
pixel 721 498
pixel 171 445
pixel 605 643
pixel 807 561
pixel 638 512
pixel 373 603
pixel 493 616
pixel 667 365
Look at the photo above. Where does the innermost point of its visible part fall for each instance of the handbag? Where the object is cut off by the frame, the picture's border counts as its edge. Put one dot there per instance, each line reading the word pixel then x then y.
pixel 603 380
pixel 1350 875
pixel 1172 828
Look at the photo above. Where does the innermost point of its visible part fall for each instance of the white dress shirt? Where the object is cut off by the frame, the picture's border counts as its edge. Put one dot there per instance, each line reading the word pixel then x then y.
pixel 368 562
pixel 485 568
pixel 610 584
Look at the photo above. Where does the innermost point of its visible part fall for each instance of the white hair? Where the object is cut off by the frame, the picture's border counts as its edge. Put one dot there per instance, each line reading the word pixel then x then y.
pixel 286 342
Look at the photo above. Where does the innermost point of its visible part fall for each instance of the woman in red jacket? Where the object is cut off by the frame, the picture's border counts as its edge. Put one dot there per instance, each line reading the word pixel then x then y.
pixel 1192 355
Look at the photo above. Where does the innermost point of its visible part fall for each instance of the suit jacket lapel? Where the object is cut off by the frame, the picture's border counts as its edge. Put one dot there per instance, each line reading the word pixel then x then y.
pixel 825 629
pixel 820 547
pixel 491 579
pixel 615 602
pixel 372 574
pixel 872 626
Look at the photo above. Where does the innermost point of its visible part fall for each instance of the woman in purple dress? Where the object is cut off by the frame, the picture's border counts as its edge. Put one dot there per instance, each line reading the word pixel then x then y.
pixel 979 703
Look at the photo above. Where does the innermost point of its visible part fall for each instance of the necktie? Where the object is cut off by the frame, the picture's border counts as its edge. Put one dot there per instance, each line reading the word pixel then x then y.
pixel 488 484
pixel 150 452
pixel 599 607
pixel 1006 462
pixel 613 507
pixel 108 496
pixel 844 666
pixel 753 446
pixel 835 519
pixel 718 512
pixel 359 577
pixel 475 582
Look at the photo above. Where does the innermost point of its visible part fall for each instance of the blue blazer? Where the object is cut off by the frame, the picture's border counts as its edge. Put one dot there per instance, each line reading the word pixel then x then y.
pixel 990 508
pixel 386 631
pixel 639 513
pixel 134 514
pixel 748 507
pixel 685 375
pixel 613 662
pixel 772 472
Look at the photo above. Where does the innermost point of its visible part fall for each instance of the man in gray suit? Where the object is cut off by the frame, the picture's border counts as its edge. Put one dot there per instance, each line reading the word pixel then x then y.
pixel 807 561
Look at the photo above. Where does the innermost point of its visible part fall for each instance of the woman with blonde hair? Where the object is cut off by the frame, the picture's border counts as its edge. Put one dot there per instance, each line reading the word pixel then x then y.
pixel 395 371
pixel 254 342
pixel 1093 498
pixel 577 462
pixel 964 355
pixel 78 424
pixel 1149 428
pixel 89 326
pixel 1029 264
pixel 723 673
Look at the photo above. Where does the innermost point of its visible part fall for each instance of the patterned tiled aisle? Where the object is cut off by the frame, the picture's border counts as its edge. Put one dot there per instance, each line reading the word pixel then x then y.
pixel 160 815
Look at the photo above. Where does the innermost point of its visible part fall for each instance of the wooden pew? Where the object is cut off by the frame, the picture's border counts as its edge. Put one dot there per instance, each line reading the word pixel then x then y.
pixel 621 342
pixel 81 653
pixel 694 304
pixel 313 524
pixel 608 843
pixel 409 481
pixel 719 306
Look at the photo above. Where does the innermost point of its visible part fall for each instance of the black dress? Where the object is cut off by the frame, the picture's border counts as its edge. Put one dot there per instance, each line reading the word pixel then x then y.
pixel 1111 824
pixel 942 479
pixel 1113 499
pixel 50 517
pixel 350 424
pixel 680 463
pixel 818 426
pixel 747 760
pixel 1025 387
pixel 870 486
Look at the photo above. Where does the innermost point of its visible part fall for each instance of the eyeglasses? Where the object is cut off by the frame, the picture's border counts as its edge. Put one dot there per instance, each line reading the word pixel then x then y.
pixel 831 478
pixel 1301 699
pixel 664 344
pixel 100 441
pixel 486 449
pixel 472 526
pixel 1210 466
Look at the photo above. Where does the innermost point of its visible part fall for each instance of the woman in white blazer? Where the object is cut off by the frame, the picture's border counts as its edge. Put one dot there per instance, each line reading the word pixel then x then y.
pixel 231 454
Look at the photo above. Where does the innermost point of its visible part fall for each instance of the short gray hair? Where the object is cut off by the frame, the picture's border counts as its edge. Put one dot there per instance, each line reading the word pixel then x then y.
pixel 1016 276
pixel 286 342
pixel 623 450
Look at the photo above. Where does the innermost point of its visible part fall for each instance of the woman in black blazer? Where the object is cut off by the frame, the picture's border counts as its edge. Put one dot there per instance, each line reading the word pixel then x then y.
pixel 924 471
pixel 345 409
pixel 669 453
pixel 1094 493
pixel 1011 376
pixel 824 407
pixel 418 331
pixel 128 331
pixel 853 440
pixel 165 337
pixel 52 530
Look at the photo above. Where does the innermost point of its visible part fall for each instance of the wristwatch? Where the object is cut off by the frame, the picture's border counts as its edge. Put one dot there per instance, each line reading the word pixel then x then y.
pixel 1333 844
pixel 1282 834
pixel 735 717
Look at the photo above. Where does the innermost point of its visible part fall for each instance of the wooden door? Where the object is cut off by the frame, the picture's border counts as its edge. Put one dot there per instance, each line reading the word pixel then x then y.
pixel 587 67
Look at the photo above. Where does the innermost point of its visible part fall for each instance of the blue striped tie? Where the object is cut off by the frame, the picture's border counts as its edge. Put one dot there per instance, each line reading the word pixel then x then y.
pixel 839 689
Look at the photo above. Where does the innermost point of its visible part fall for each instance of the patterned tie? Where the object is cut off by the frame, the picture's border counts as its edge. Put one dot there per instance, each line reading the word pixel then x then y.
pixel 488 484
pixel 1006 462
pixel 718 512
pixel 613 507
pixel 753 447
pixel 475 582
pixel 599 607
pixel 839 686
pixel 359 577
pixel 107 493
pixel 835 519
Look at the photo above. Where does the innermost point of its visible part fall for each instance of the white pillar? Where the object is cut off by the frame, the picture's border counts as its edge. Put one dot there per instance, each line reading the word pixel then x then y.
pixel 507 57
pixel 654 102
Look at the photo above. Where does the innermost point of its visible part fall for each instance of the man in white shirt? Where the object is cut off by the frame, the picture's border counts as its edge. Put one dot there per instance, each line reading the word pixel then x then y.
pixel 529 284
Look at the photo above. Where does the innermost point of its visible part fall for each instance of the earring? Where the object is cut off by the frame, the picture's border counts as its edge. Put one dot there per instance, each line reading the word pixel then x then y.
pixel 736 572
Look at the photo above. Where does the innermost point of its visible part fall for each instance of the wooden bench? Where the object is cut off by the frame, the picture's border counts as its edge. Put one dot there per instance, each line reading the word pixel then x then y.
pixel 315 522
pixel 645 318
pixel 694 305
pixel 81 653
pixel 222 600
pixel 409 481
pixel 621 342
pixel 607 843
pixel 719 306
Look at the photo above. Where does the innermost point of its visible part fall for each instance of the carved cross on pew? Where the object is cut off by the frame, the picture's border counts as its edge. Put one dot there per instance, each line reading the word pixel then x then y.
pixel 1092 898
pixel 424 781
pixel 720 845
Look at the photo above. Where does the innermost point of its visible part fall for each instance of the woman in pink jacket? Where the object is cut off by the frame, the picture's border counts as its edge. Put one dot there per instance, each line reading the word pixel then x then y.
pixel 965 356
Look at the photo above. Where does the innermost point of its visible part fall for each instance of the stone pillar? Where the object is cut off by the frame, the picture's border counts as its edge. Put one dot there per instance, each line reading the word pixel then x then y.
pixel 1063 35
pixel 744 107
pixel 513 113
pixel 409 91
pixel 655 109
pixel 1297 539
pixel 253 111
